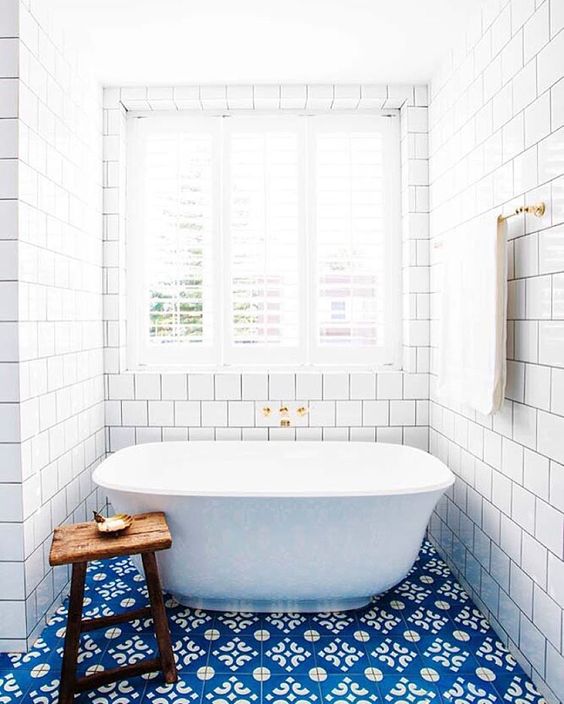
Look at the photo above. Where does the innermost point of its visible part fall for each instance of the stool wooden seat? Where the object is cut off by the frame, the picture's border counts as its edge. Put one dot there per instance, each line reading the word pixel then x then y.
pixel 78 544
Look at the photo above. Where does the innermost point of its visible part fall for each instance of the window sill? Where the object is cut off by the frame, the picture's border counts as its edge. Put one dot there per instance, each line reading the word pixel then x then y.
pixel 263 369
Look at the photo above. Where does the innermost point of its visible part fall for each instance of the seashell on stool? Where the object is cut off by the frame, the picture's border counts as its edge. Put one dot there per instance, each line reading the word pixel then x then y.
pixel 112 524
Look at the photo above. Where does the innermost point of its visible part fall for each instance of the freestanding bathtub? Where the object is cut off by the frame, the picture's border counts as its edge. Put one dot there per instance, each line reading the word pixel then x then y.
pixel 280 526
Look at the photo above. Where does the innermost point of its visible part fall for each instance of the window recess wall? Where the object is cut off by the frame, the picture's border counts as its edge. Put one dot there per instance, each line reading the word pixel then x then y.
pixel 386 403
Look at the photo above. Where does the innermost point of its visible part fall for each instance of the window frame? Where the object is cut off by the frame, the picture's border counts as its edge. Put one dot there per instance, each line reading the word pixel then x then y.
pixel 223 353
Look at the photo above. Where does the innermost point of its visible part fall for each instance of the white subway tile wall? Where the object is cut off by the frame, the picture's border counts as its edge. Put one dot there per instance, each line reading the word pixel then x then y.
pixel 226 405
pixel 191 402
pixel 496 133
pixel 496 142
pixel 51 341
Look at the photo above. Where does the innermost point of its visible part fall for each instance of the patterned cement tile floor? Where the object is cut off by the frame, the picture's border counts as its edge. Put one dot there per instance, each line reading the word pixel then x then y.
pixel 423 641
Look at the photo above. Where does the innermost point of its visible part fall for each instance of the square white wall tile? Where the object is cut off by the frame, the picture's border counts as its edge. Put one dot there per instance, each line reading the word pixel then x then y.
pixel 200 387
pixel 161 413
pixel 362 385
pixel 254 386
pixel 134 413
pixel 390 385
pixel 227 387
pixel 336 386
pixel 376 413
pixel 174 387
pixel 349 413
pixel 241 413
pixel 214 414
pixel 309 386
pixel 148 386
pixel 187 413
pixel 322 413
pixel 282 386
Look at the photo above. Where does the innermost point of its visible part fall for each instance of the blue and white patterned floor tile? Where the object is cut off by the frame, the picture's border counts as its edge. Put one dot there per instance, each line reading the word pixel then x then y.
pixel 291 690
pixel 185 691
pixel 377 621
pixel 408 690
pixel 235 654
pixel 232 689
pixel 341 654
pixel 462 690
pixel 186 619
pixel 423 642
pixel 284 624
pixel 447 655
pixel 349 689
pixel 428 621
pixel 517 689
pixel 288 655
pixel 395 653
pixel 237 623
pixel 190 650
pixel 334 623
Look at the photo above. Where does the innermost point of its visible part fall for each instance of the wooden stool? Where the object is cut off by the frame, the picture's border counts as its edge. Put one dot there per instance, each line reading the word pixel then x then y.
pixel 78 544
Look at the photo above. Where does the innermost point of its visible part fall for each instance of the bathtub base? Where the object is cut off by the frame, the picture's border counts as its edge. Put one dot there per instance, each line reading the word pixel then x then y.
pixel 274 606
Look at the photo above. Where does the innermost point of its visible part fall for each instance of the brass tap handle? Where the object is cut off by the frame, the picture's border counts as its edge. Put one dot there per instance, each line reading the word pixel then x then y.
pixel 302 411
pixel 266 411
pixel 284 411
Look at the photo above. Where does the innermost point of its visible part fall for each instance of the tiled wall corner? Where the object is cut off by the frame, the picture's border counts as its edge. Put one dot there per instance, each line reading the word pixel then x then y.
pixel 496 142
pixel 114 232
pixel 12 606
pixel 415 231
pixel 51 374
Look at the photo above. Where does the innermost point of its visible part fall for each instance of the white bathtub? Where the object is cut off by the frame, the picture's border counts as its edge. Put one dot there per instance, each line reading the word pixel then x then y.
pixel 280 526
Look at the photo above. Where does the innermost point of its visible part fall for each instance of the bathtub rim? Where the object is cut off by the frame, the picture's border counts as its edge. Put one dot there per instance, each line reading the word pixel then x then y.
pixel 105 484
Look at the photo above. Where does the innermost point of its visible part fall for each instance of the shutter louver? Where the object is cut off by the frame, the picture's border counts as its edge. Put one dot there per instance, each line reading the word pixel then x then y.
pixel 350 247
pixel 178 178
pixel 263 232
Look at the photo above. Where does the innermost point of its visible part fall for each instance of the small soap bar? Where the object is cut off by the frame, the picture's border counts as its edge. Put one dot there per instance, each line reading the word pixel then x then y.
pixel 114 524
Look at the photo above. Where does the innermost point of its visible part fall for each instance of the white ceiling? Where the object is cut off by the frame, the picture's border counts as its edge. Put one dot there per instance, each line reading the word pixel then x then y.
pixel 264 41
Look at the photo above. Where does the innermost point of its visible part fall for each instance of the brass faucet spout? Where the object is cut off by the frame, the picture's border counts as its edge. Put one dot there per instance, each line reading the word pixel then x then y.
pixel 284 413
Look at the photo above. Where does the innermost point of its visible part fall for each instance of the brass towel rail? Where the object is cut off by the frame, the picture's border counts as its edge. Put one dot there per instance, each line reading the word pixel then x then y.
pixel 536 209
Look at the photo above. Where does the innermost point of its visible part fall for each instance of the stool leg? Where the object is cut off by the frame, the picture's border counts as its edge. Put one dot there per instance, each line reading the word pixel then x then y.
pixel 72 635
pixel 159 616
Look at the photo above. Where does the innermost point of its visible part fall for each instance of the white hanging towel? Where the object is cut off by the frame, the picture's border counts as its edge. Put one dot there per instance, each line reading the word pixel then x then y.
pixel 472 352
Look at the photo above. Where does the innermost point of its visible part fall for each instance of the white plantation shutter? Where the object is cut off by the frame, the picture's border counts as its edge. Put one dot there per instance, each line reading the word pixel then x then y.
pixel 174 174
pixel 179 252
pixel 263 240
pixel 353 246
pixel 263 234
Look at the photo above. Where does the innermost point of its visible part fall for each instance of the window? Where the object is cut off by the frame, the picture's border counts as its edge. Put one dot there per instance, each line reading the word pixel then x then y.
pixel 263 240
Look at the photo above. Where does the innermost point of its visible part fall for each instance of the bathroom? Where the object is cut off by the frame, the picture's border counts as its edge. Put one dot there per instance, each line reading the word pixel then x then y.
pixel 283 264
